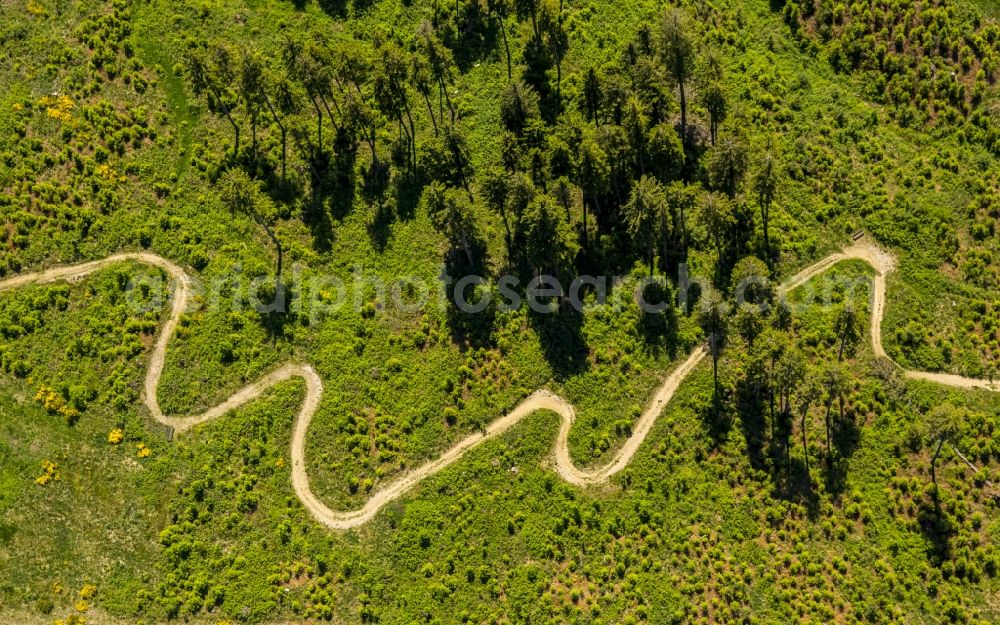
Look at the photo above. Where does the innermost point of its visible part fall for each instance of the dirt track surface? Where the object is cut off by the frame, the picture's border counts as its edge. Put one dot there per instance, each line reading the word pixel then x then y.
pixel 882 262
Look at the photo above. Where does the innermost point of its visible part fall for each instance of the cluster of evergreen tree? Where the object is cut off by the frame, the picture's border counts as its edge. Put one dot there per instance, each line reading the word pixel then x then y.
pixel 592 177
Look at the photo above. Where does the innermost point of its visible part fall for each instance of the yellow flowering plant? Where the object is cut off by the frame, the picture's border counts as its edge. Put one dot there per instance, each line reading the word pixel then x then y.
pixel 50 473
pixel 54 403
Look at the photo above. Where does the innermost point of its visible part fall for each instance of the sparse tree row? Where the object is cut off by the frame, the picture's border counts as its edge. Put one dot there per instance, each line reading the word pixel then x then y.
pixel 328 99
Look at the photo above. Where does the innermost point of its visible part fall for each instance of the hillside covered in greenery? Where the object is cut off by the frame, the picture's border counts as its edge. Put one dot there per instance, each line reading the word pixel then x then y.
pixel 272 149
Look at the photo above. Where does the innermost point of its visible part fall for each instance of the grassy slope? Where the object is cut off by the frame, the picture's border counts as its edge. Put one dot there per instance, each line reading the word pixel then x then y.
pixel 707 504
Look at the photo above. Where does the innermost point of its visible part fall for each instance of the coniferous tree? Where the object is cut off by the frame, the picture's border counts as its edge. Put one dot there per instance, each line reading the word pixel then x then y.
pixel 592 96
pixel 644 215
pixel 451 213
pixel 765 186
pixel 678 54
pixel 591 175
pixel 945 422
pixel 242 195
pixel 549 241
pixel 518 105
pixel 717 217
pixel 712 96
pixel 206 72
pixel 727 165
pixel 681 199
pixel 713 316
pixel 665 154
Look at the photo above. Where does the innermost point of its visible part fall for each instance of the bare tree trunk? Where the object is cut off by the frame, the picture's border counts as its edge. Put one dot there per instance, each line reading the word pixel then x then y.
pixel 413 136
pixel 770 393
pixel 312 165
pixel 225 111
pixel 684 235
pixel 430 110
pixel 934 459
pixel 319 123
pixel 508 237
pixel 683 113
pixel 329 113
pixel 559 81
pixel 253 132
pixel 284 135
pixel 715 363
pixel 666 247
pixel 829 450
pixel 805 440
pixel 506 47
pixel 441 101
pixel 447 98
pixel 278 285
pixel 277 245
pixel 465 246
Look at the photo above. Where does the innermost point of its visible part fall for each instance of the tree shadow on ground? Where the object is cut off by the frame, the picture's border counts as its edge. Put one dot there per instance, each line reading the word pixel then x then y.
pixel 797 487
pixel 753 424
pixel 333 8
pixel 316 218
pixel 474 36
pixel 779 446
pixel 375 181
pixel 846 437
pixel 471 325
pixel 938 530
pixel 659 329
pixel 314 213
pixel 560 334
pixel 716 418
pixel 331 184
pixel 380 225
pixel 273 311
pixel 408 188
pixel 342 183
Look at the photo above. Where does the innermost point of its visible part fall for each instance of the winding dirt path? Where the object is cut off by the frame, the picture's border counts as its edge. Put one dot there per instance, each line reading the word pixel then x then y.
pixel 882 262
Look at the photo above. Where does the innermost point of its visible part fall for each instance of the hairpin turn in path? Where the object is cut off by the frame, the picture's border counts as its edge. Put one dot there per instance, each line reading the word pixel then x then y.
pixel 882 262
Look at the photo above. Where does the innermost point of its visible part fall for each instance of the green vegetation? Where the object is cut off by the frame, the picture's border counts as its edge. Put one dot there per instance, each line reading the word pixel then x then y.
pixel 794 477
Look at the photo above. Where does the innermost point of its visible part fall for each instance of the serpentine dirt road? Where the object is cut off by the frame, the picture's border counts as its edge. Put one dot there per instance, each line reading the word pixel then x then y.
pixel 882 262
